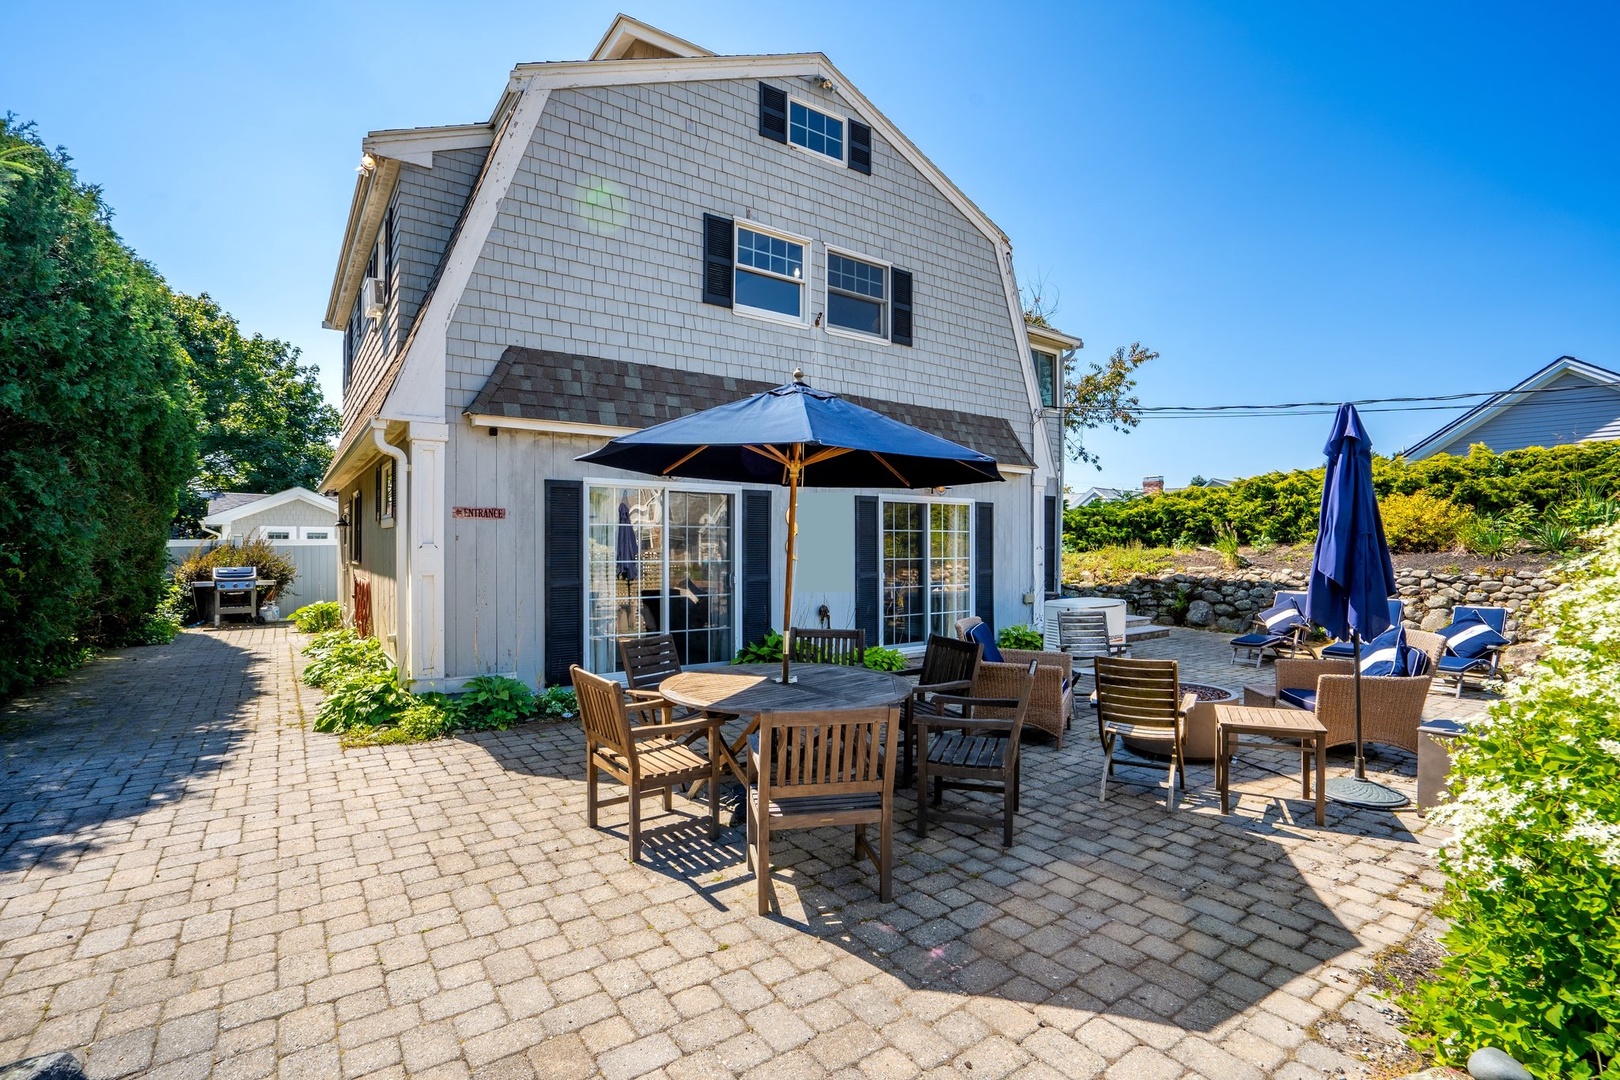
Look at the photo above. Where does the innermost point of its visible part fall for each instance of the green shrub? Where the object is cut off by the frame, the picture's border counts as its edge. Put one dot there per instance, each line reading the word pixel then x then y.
pixel 494 703
pixel 359 697
pixel 334 653
pixel 1553 538
pixel 1116 562
pixel 557 703
pixel 1422 522
pixel 272 566
pixel 1533 867
pixel 314 618
pixel 1020 637
pixel 767 650
pixel 879 658
pixel 1485 536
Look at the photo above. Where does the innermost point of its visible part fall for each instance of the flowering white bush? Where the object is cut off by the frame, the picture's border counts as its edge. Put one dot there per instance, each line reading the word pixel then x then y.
pixel 1534 863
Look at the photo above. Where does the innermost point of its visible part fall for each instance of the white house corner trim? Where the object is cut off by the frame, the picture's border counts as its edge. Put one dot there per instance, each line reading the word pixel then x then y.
pixel 1045 467
pixel 425 627
pixel 418 393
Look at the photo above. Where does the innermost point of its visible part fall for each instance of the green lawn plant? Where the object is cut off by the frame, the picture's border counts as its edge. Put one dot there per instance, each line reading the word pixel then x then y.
pixel 494 703
pixel 1020 637
pixel 1533 867
pixel 315 618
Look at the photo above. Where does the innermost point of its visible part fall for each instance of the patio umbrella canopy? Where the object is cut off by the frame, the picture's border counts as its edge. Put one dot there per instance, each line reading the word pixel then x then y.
pixel 1352 577
pixel 796 436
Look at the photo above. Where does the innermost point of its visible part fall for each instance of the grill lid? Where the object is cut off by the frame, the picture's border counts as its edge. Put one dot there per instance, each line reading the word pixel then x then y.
pixel 236 575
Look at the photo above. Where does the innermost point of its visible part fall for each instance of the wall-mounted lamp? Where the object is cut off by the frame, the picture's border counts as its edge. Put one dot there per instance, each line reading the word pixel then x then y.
pixel 819 80
pixel 940 490
pixel 367 164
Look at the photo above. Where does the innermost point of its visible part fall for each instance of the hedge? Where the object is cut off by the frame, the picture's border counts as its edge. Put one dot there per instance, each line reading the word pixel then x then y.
pixel 1282 506
pixel 97 424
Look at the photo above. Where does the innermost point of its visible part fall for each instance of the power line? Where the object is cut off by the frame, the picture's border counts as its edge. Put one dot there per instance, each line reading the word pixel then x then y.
pixel 1412 403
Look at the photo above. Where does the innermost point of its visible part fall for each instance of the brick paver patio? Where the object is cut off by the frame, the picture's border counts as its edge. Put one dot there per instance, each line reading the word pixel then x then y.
pixel 193 884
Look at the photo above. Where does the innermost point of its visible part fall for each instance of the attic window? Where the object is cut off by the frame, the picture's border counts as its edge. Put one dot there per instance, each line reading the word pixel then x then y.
pixel 815 131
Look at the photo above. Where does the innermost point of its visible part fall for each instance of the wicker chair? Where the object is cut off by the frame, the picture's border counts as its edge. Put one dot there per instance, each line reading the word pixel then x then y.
pixel 1391 706
pixel 1051 706
pixel 823 768
pixel 646 758
pixel 975 746
pixel 827 646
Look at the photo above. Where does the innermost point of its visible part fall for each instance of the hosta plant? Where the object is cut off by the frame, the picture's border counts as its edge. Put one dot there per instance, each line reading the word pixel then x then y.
pixel 1533 865
pixel 494 703
pixel 1020 637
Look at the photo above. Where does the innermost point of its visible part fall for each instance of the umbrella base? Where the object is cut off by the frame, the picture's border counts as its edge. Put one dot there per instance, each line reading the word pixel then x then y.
pixel 791 679
pixel 1364 793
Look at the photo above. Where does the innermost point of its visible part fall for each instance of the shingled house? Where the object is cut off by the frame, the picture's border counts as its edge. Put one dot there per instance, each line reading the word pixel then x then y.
pixel 630 238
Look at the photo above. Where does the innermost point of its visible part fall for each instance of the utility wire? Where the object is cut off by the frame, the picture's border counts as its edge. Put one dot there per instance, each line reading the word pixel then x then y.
pixel 1414 403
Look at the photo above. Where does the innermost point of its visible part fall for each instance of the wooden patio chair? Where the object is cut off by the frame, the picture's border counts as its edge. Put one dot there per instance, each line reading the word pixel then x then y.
pixel 650 659
pixel 1084 635
pixel 948 667
pixel 1142 699
pixel 815 646
pixel 823 768
pixel 974 747
pixel 646 758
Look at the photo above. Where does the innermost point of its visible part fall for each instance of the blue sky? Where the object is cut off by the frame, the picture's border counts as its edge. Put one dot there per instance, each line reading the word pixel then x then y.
pixel 1287 201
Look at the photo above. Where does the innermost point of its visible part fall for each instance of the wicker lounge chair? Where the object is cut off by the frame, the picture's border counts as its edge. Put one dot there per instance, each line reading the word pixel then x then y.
pixel 1052 706
pixel 1262 642
pixel 1391 706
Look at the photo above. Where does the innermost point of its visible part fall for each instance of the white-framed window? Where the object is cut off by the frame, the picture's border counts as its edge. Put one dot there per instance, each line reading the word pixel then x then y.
pixel 927 567
pixel 770 273
pixel 660 559
pixel 857 295
pixel 1046 365
pixel 278 534
pixel 317 534
pixel 818 132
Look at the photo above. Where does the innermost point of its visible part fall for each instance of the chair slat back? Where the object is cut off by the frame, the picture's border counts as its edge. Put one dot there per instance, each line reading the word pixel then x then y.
pixel 816 646
pixel 648 660
pixel 1142 692
pixel 1083 633
pixel 836 752
pixel 601 711
pixel 948 660
pixel 1494 617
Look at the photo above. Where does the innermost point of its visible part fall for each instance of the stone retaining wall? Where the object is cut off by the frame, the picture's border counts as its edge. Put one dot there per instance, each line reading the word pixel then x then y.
pixel 1228 601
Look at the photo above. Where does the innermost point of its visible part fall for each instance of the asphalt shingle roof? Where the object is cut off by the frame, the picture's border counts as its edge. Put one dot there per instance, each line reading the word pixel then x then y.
pixel 542 384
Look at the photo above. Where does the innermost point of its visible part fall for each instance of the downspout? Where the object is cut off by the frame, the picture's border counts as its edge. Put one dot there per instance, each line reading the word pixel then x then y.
pixel 402 577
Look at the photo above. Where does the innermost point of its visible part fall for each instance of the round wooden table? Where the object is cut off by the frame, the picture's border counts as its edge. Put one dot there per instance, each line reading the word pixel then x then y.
pixel 750 689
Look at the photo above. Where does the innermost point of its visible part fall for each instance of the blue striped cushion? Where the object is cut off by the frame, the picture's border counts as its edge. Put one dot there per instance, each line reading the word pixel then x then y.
pixel 1281 618
pixel 1470 636
pixel 1389 654
pixel 987 640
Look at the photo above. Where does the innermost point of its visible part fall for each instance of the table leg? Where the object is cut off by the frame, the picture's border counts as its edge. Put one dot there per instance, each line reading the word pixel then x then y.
pixel 1223 763
pixel 1321 780
pixel 737 750
pixel 1305 768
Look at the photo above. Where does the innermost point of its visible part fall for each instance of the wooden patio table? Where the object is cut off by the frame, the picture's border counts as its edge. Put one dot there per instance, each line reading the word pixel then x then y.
pixel 1294 730
pixel 750 689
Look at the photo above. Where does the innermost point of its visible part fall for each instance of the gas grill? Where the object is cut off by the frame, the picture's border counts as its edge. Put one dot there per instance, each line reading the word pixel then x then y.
pixel 236 592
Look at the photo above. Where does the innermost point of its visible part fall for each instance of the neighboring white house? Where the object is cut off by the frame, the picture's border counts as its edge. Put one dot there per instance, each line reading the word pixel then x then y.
pixel 627 239
pixel 297 522
pixel 1567 401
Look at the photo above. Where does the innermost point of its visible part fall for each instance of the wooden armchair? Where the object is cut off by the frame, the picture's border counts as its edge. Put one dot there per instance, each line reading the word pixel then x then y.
pixel 974 748
pixel 823 768
pixel 948 667
pixel 807 646
pixel 1391 706
pixel 1142 699
pixel 646 758
pixel 1051 706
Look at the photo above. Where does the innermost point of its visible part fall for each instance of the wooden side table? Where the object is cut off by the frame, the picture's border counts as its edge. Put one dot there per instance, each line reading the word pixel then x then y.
pixel 1293 730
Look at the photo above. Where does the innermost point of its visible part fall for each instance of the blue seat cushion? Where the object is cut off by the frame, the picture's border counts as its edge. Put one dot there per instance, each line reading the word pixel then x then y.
pixel 1339 650
pixel 1299 699
pixel 1471 636
pixel 1256 641
pixel 1281 618
pixel 987 641
pixel 1461 665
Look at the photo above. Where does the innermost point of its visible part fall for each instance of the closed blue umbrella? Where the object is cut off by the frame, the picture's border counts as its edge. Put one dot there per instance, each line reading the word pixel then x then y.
pixel 629 551
pixel 1351 575
pixel 796 436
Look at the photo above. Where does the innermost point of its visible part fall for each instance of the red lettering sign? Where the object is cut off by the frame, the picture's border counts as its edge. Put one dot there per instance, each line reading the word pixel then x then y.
pixel 494 513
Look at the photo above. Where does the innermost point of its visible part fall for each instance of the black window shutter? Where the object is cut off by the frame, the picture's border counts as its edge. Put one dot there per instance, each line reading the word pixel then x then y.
pixel 1053 540
pixel 984 562
pixel 565 578
pixel 860 147
pixel 900 320
pixel 719 253
pixel 756 569
pixel 773 112
pixel 868 579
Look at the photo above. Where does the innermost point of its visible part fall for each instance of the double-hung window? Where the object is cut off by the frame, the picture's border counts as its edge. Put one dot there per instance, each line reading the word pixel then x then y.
pixel 770 274
pixel 815 131
pixel 927 569
pixel 1046 376
pixel 857 295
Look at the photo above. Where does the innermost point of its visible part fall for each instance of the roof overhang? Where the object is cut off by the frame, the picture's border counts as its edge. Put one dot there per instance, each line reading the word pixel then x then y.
pixel 373 187
pixel 1048 338
pixel 270 502
pixel 631 38
pixel 1477 417
pixel 416 146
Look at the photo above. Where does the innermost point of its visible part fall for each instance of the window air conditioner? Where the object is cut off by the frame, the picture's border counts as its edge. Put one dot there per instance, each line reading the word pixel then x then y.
pixel 372 300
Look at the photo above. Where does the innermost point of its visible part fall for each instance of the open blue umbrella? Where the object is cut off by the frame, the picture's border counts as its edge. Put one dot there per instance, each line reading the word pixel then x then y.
pixel 1352 576
pixel 796 436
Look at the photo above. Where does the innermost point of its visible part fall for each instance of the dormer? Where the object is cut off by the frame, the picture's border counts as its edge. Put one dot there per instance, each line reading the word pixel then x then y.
pixel 1047 347
pixel 632 39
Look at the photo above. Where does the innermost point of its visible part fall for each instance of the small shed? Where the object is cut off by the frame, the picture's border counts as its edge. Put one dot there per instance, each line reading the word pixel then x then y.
pixel 297 522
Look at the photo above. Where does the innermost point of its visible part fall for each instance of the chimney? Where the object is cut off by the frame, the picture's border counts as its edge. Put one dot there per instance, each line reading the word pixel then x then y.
pixel 1153 485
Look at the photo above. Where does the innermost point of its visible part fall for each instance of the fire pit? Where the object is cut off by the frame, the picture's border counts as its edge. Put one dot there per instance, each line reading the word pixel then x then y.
pixel 1200 724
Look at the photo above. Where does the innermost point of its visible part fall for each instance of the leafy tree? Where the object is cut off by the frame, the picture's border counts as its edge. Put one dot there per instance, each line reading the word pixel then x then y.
pixel 1198 481
pixel 97 424
pixel 1102 397
pixel 265 425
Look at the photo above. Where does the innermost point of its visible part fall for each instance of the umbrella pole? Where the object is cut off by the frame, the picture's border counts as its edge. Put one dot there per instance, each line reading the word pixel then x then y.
pixel 795 466
pixel 1358 790
pixel 1361 760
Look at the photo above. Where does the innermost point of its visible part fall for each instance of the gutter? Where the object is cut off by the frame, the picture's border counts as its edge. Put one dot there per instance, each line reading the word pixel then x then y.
pixel 402 502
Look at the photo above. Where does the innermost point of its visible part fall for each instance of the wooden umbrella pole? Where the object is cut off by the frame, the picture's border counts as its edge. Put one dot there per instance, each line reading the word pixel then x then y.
pixel 794 466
